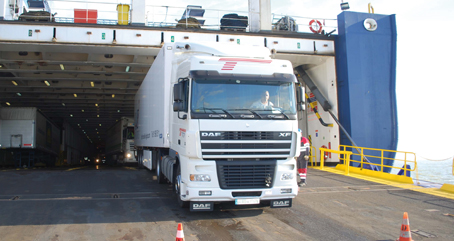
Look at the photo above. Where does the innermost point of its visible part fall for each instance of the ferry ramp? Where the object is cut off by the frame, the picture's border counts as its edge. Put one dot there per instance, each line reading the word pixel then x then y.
pixel 77 203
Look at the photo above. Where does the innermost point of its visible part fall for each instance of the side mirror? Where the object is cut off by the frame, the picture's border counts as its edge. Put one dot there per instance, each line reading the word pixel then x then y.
pixel 178 92
pixel 179 98
pixel 301 98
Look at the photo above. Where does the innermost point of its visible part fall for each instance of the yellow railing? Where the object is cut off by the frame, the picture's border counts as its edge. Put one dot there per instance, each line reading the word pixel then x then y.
pixel 313 156
pixel 346 158
pixel 380 154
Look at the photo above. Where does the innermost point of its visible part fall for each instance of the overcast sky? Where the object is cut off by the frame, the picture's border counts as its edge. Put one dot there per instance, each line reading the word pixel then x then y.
pixel 425 81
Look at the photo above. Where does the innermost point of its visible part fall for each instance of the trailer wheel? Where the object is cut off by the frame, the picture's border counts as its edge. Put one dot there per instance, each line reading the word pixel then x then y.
pixel 159 175
pixel 177 185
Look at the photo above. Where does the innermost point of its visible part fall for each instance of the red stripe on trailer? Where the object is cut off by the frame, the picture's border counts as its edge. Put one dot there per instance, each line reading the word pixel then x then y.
pixel 27 144
pixel 229 65
pixel 265 61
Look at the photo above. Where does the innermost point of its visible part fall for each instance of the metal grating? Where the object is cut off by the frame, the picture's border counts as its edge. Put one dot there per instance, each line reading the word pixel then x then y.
pixel 245 174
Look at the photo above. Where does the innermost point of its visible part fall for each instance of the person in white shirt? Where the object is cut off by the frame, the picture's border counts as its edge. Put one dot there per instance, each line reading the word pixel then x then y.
pixel 264 102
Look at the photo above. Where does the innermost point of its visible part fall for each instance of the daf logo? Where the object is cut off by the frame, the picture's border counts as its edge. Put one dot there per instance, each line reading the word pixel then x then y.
pixel 285 134
pixel 201 206
pixel 211 134
pixel 281 203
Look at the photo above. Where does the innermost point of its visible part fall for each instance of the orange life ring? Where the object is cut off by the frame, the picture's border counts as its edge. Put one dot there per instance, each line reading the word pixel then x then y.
pixel 319 24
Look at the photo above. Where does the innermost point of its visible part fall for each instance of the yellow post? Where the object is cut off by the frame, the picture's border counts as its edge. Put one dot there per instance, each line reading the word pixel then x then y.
pixel 322 159
pixel 347 165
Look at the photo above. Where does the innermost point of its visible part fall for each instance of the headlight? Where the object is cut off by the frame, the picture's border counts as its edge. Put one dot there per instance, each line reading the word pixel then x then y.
pixel 97 160
pixel 200 178
pixel 128 155
pixel 286 176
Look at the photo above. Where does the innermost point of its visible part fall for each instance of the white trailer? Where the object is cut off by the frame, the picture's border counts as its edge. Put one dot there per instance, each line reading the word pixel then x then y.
pixel 120 142
pixel 31 136
pixel 199 123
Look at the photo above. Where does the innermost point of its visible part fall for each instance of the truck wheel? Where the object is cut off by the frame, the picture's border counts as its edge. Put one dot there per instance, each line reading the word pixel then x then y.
pixel 159 175
pixel 177 185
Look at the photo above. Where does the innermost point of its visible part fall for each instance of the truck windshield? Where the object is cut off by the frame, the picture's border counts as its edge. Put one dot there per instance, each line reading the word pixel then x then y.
pixel 243 99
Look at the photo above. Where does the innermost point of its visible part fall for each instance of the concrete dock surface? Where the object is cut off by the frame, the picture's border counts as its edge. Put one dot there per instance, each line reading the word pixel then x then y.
pixel 124 203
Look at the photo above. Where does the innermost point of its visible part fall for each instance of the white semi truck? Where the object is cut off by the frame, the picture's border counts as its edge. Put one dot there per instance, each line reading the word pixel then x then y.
pixel 120 142
pixel 204 122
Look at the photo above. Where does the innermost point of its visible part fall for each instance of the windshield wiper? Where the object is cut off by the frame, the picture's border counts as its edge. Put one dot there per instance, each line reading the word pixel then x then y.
pixel 278 109
pixel 253 112
pixel 213 109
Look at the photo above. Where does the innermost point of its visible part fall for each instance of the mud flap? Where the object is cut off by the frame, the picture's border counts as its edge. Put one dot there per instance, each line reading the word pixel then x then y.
pixel 201 206
pixel 282 203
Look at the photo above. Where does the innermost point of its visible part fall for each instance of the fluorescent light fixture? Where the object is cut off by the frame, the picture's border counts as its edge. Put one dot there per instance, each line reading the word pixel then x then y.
pixel 14 82
pixel 75 95
pixel 46 82
pixel 99 124
pixel 8 103
pixel 127 69
pixel 83 111
pixel 63 104
pixel 71 115
pixel 19 94
pixel 113 96
pixel 62 67
pixel 118 111
pixel 92 84
pixel 98 116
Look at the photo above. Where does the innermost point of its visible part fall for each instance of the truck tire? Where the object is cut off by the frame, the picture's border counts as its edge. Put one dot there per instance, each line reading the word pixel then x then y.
pixel 159 174
pixel 176 185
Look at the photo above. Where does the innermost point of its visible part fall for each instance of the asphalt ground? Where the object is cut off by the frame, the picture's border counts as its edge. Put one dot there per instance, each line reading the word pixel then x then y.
pixel 125 203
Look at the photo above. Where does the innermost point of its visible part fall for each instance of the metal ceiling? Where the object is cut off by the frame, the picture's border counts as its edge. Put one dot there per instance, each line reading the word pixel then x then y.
pixel 90 89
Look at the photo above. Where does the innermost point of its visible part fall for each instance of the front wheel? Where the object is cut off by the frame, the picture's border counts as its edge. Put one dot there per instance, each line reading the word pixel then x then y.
pixel 177 188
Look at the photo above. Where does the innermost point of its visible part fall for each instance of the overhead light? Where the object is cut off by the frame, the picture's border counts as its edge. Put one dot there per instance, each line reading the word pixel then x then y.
pixel 71 115
pixel 8 103
pixel 344 6
pixel 63 104
pixel 127 69
pixel 46 82
pixel 99 124
pixel 96 104
pixel 19 94
pixel 83 111
pixel 14 82
pixel 113 95
pixel 62 67
pixel 92 84
pixel 1 65
pixel 75 95
pixel 118 111
pixel 86 119
pixel 98 116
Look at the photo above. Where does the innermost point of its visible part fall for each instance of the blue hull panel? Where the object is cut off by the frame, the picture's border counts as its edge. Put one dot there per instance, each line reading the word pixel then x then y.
pixel 366 79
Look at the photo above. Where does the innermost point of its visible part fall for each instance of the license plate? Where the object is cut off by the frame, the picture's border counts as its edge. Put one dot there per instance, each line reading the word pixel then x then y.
pixel 247 201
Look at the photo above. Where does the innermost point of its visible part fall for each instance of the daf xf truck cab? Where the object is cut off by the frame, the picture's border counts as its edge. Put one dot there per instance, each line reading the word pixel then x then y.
pixel 219 122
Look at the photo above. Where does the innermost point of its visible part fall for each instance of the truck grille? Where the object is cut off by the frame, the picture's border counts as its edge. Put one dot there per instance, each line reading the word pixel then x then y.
pixel 245 174
pixel 245 145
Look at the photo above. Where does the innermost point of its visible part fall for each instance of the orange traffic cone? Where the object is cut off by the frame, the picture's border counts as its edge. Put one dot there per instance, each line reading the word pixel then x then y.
pixel 405 234
pixel 180 234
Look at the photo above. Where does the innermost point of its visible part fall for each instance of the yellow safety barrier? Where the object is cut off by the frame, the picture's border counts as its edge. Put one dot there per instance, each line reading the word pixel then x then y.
pixel 380 154
pixel 313 156
pixel 346 158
